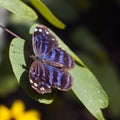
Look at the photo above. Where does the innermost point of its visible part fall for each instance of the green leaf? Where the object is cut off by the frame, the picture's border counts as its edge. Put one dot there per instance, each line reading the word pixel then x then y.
pixel 42 8
pixel 109 78
pixel 20 68
pixel 19 8
pixel 89 91
pixel 17 48
pixel 85 85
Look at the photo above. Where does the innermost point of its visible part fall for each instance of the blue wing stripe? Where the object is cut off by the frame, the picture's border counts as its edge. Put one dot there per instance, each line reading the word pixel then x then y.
pixel 58 78
pixel 50 68
pixel 60 56
pixel 42 42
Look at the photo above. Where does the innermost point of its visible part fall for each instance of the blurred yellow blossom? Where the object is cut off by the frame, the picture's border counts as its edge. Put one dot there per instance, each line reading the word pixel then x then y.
pixel 17 112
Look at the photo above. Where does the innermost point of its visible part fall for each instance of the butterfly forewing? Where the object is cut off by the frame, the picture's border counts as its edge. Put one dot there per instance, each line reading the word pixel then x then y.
pixel 45 47
pixel 43 42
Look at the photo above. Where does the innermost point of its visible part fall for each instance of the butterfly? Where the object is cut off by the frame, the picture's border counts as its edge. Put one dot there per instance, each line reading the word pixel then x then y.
pixel 51 63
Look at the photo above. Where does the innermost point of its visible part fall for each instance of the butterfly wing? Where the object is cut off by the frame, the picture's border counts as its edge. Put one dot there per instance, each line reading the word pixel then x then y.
pixel 39 78
pixel 60 56
pixel 43 77
pixel 46 47
pixel 59 78
pixel 43 42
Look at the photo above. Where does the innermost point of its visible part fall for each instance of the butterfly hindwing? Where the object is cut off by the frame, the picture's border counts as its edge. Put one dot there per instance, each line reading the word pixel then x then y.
pixel 39 78
pixel 43 77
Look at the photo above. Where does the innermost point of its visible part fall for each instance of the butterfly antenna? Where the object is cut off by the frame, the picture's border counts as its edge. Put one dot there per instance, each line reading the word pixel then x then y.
pixel 10 32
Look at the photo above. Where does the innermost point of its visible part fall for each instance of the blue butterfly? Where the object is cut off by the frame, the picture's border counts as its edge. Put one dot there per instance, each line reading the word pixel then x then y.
pixel 51 63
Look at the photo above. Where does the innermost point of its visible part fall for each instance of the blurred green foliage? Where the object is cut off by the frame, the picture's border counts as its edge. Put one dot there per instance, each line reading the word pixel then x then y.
pixel 90 50
pixel 96 58
pixel 8 82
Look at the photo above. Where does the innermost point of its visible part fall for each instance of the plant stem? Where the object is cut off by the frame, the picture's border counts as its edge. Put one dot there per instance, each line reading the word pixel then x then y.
pixel 10 32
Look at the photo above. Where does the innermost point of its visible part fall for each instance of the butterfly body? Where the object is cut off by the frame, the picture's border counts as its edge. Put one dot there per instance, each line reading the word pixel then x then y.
pixel 51 63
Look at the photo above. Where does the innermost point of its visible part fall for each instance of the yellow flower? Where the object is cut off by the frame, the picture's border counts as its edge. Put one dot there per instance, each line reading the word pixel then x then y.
pixel 17 112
